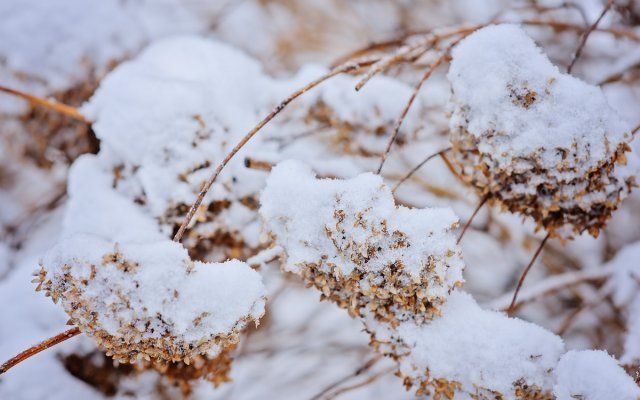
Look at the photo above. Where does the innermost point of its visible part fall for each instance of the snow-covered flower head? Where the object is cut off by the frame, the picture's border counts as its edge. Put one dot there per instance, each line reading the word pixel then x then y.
pixel 150 301
pixel 350 240
pixel 535 140
pixel 468 352
pixel 116 272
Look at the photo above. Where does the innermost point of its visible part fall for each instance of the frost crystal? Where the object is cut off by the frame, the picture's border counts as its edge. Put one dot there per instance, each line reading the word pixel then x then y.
pixel 349 239
pixel 532 139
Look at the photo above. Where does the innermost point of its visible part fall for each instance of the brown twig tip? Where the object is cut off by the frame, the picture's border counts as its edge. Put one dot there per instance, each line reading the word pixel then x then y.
pixel 405 110
pixel 64 109
pixel 444 56
pixel 585 35
pixel 31 351
pixel 417 167
pixel 470 220
pixel 525 273
pixel 361 370
pixel 259 165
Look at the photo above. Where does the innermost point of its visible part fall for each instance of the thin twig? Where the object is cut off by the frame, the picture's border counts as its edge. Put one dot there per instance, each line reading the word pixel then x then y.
pixel 358 385
pixel 50 104
pixel 585 35
pixel 561 25
pixel 350 66
pixel 571 318
pixel 407 52
pixel 31 351
pixel 444 157
pixel 407 106
pixel 412 52
pixel 369 48
pixel 417 167
pixel 525 273
pixel 551 285
pixel 444 56
pixel 468 223
pixel 362 369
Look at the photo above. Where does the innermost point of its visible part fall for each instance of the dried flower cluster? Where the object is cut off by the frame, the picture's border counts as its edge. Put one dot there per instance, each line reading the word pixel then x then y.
pixel 534 140
pixel 150 302
pixel 162 314
pixel 349 240
pixel 117 274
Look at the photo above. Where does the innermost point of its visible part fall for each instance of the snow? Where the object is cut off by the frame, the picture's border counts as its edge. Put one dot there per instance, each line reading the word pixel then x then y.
pixel 593 375
pixel 623 287
pixel 480 349
pixel 504 84
pixel 165 292
pixel 49 46
pixel 353 230
pixel 216 85
pixel 540 142
pixel 313 217
pixel 626 272
pixel 115 244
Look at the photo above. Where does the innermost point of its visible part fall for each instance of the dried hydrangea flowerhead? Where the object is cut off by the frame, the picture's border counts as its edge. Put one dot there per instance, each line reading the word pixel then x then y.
pixel 150 302
pixel 349 239
pixel 472 353
pixel 185 139
pixel 532 139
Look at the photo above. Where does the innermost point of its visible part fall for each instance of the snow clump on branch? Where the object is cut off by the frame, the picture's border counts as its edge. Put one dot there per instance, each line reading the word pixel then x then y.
pixel 532 139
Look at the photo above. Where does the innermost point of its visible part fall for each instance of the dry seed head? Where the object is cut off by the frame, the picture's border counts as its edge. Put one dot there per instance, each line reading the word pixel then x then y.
pixel 486 358
pixel 535 141
pixel 150 302
pixel 349 240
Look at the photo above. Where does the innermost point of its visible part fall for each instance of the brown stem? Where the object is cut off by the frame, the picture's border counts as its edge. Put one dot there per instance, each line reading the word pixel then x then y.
pixel 358 385
pixel 362 369
pixel 46 103
pixel 444 56
pixel 468 223
pixel 412 52
pixel 444 157
pixel 369 48
pixel 585 35
pixel 350 66
pixel 560 25
pixel 525 273
pixel 31 351
pixel 259 165
pixel 417 167
pixel 403 115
